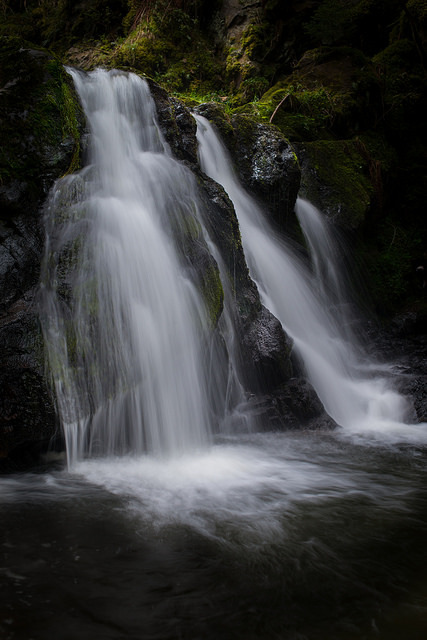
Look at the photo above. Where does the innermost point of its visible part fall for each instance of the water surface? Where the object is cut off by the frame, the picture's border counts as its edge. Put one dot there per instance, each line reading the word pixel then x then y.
pixel 297 535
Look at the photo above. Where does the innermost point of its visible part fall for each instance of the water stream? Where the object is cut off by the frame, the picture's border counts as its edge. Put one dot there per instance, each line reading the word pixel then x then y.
pixel 164 526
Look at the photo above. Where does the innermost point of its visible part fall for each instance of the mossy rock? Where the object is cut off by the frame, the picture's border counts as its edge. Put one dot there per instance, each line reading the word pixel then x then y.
pixel 170 47
pixel 333 92
pixel 40 122
pixel 264 353
pixel 211 289
pixel 40 126
pixel 220 116
pixel 335 177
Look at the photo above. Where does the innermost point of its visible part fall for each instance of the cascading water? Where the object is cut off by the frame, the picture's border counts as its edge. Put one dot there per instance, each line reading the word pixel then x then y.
pixel 349 386
pixel 293 534
pixel 124 324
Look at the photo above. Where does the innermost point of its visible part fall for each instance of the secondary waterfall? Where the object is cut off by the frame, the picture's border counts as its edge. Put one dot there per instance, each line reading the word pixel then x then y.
pixel 123 321
pixel 305 300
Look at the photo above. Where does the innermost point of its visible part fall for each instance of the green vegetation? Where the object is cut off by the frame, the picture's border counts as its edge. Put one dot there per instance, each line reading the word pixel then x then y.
pixel 46 114
pixel 340 179
pixel 172 50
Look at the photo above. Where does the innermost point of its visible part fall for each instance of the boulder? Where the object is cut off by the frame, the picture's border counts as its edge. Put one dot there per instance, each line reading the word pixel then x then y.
pixel 264 348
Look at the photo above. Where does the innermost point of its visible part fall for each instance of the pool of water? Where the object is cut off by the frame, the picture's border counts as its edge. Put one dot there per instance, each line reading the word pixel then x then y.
pixel 273 536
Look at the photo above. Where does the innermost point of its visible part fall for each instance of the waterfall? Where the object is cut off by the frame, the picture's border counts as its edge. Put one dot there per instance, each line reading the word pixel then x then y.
pixel 124 324
pixel 309 302
pixel 134 361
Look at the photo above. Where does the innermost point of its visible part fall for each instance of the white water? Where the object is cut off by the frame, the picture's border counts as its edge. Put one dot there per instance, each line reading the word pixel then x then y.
pixel 352 388
pixel 128 361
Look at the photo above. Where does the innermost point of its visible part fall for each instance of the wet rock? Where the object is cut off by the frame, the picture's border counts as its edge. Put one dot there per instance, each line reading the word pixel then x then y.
pixel 267 347
pixel 298 397
pixel 264 347
pixel 295 405
pixel 176 122
pixel 268 166
pixel 265 161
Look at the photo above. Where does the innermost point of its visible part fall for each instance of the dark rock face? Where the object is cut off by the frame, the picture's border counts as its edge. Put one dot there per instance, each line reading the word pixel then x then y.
pixel 264 347
pixel 267 348
pixel 35 151
pixel 299 402
pixel 177 124
pixel 294 405
pixel 268 166
pixel 405 343
pixel 27 416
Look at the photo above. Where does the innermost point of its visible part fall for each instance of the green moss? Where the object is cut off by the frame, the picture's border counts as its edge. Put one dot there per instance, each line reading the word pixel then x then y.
pixel 71 118
pixel 169 47
pixel 219 114
pixel 338 179
pixel 250 89
pixel 188 234
pixel 39 113
pixel 58 114
pixel 213 293
pixel 301 114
